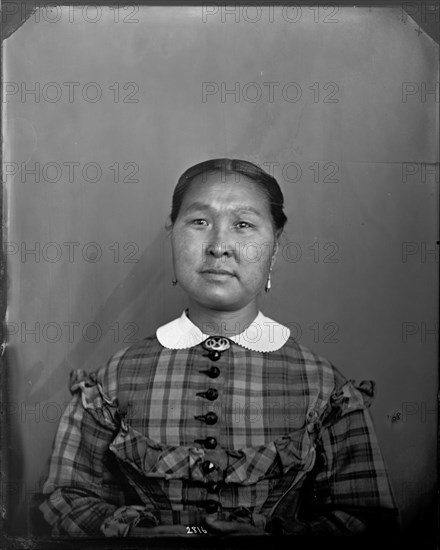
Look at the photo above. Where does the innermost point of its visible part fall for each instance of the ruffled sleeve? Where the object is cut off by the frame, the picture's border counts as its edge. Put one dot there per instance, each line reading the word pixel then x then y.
pixel 345 399
pixel 81 490
pixel 127 518
pixel 105 410
pixel 348 491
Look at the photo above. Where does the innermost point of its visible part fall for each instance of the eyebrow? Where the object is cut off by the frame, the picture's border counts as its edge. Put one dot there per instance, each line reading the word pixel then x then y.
pixel 205 206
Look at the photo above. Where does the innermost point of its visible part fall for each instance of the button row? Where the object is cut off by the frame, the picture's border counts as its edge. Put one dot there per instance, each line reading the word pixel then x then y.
pixel 215 345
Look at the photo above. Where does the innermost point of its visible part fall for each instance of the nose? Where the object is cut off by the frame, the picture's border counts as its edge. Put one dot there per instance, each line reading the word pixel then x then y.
pixel 218 250
pixel 221 245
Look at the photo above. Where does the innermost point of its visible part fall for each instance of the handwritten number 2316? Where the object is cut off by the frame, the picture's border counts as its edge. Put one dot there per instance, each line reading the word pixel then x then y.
pixel 194 530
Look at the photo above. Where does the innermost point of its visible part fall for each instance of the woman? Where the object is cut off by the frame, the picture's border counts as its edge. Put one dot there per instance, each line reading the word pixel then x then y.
pixel 220 422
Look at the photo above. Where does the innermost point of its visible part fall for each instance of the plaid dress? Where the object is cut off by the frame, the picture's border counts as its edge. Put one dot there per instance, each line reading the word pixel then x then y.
pixel 163 436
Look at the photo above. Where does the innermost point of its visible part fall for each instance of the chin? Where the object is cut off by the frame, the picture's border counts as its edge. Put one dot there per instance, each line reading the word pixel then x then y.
pixel 217 301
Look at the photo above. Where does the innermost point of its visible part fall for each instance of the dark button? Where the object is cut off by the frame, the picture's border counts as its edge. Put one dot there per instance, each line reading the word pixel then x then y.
pixel 210 394
pixel 214 355
pixel 209 418
pixel 207 467
pixel 213 488
pixel 211 506
pixel 208 443
pixel 212 372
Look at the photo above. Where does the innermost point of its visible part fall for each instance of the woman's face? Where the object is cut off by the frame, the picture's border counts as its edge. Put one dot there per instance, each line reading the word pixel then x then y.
pixel 223 241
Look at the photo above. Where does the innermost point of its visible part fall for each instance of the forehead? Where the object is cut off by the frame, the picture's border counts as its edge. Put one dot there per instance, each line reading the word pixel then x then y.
pixel 231 190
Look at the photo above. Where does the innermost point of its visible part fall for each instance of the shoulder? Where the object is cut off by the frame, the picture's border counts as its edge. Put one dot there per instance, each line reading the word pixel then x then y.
pixel 316 369
pixel 325 381
pixel 127 361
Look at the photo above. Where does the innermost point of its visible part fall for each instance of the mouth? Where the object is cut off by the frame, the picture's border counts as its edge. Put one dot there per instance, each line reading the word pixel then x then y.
pixel 218 272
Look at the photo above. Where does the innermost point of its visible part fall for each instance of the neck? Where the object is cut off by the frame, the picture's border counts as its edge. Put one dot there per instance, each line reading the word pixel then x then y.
pixel 223 323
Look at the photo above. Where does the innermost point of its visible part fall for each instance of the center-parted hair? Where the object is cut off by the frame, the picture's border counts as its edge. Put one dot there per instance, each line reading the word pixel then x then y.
pixel 241 168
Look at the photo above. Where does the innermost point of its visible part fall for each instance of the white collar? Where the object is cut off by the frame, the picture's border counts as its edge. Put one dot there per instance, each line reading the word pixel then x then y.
pixel 263 334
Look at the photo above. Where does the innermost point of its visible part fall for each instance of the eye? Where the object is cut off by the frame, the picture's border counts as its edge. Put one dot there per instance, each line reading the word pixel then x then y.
pixel 244 225
pixel 199 221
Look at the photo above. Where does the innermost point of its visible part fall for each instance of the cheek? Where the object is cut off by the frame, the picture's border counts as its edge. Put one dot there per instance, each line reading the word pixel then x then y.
pixel 254 274
pixel 256 256
pixel 185 249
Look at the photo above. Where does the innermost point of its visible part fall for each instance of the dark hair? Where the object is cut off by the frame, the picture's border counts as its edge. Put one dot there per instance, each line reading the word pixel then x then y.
pixel 265 181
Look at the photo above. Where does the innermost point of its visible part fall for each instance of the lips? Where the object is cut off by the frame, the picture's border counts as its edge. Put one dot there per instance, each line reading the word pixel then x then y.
pixel 218 272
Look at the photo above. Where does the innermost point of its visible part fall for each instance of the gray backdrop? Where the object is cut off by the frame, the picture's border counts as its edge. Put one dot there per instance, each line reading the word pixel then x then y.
pixel 336 102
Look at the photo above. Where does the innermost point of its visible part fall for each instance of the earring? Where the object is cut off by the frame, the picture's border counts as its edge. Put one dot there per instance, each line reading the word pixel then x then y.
pixel 174 282
pixel 268 285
